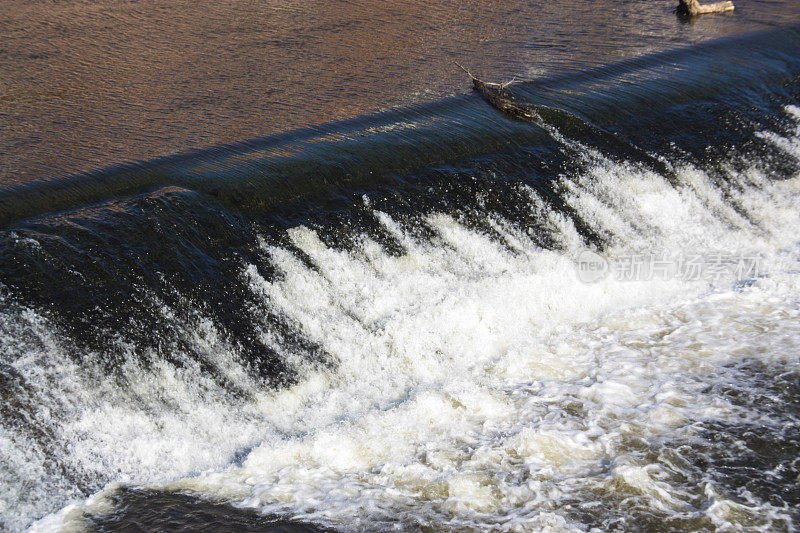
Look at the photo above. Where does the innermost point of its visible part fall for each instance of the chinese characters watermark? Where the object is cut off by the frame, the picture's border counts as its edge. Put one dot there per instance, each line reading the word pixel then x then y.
pixel 715 266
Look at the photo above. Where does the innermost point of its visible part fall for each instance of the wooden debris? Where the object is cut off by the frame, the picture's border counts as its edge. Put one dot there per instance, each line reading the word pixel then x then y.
pixel 694 7
pixel 497 95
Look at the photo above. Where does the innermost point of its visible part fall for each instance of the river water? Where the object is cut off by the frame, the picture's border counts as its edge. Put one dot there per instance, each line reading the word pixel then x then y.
pixel 273 267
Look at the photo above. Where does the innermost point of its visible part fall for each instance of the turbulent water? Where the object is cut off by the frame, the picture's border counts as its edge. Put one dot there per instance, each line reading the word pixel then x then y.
pixel 432 319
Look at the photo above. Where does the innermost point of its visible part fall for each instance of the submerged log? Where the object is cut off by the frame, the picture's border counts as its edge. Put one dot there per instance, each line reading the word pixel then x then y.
pixel 497 95
pixel 694 7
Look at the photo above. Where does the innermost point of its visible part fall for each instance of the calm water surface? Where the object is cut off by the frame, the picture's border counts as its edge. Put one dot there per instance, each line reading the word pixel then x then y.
pixel 88 84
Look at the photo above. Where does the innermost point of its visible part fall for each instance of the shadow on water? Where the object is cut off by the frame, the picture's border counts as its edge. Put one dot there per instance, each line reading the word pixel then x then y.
pixel 163 512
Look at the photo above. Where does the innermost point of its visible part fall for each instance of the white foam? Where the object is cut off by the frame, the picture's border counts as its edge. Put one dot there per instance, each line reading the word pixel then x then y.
pixel 475 383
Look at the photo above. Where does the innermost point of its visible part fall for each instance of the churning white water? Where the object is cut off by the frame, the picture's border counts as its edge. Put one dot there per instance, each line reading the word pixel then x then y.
pixel 473 382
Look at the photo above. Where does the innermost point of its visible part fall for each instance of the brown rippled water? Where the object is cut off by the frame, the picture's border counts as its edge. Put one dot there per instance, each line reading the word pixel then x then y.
pixel 86 84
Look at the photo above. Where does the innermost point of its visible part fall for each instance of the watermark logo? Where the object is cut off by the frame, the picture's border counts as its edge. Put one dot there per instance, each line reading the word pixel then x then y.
pixel 592 267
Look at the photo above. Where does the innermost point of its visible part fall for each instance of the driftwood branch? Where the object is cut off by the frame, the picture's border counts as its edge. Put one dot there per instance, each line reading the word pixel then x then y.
pixel 694 7
pixel 497 95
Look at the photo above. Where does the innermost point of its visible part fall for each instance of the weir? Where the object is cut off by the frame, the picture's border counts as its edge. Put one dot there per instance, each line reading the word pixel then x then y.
pixel 383 321
pixel 261 173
